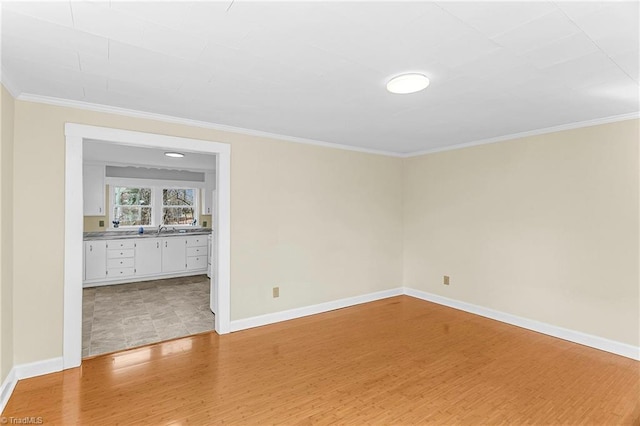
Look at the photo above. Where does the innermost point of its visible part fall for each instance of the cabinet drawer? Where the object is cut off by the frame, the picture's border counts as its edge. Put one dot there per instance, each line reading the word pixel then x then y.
pixel 119 272
pixel 196 262
pixel 122 262
pixel 196 251
pixel 117 254
pixel 120 244
pixel 199 241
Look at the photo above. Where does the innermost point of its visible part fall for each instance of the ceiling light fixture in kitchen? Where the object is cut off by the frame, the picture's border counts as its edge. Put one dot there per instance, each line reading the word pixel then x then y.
pixel 174 154
pixel 408 83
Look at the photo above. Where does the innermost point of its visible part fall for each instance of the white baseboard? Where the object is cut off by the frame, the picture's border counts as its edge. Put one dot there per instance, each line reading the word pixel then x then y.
pixel 590 340
pixel 8 384
pixel 290 314
pixel 134 279
pixel 38 368
pixel 25 371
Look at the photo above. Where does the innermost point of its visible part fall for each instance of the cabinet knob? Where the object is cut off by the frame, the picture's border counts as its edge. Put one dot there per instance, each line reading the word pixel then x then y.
pixel 157 245
pixel 90 247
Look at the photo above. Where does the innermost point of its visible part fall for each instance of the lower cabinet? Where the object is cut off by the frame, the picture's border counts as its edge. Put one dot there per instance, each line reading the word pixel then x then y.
pixel 95 260
pixel 174 254
pixel 196 252
pixel 120 259
pixel 148 256
pixel 107 261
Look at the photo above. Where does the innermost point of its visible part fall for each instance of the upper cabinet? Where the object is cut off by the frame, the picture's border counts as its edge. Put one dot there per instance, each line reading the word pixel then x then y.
pixel 208 194
pixel 94 192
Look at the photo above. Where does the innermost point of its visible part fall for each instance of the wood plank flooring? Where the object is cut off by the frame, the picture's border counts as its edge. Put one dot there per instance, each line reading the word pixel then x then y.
pixel 395 361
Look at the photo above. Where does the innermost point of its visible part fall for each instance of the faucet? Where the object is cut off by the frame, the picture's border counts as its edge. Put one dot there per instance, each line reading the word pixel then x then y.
pixel 160 228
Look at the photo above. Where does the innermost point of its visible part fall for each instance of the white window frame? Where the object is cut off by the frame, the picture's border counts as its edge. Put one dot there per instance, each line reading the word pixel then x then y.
pixel 112 205
pixel 196 203
pixel 156 201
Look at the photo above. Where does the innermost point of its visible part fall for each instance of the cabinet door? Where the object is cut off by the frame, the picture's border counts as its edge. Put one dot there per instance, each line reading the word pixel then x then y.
pixel 174 254
pixel 148 256
pixel 207 193
pixel 95 260
pixel 93 190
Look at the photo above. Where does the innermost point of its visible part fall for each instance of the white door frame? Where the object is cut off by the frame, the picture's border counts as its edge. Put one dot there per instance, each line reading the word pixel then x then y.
pixel 75 134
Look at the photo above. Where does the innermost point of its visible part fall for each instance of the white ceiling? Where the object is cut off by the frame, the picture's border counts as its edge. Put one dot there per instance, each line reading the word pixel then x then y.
pixel 124 155
pixel 317 70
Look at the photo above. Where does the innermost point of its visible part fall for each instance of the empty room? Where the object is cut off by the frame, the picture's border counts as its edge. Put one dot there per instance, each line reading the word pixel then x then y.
pixel 323 212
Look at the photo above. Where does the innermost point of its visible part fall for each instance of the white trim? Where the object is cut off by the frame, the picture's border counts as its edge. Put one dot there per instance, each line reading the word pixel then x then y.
pixel 137 279
pixel 194 123
pixel 560 128
pixel 26 371
pixel 73 253
pixel 53 365
pixel 156 183
pixel 8 84
pixel 75 135
pixel 590 340
pixel 290 314
pixel 8 385
pixel 222 127
pixel 38 368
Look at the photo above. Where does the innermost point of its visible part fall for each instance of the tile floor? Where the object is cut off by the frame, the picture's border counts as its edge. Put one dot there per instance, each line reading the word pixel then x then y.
pixel 123 316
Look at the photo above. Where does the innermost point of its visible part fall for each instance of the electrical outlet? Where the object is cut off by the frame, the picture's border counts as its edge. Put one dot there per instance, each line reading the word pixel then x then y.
pixel 101 224
pixel 204 223
pixel 445 280
pixel 276 292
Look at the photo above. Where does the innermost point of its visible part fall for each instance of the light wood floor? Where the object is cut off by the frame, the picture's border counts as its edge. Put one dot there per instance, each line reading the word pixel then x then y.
pixel 395 361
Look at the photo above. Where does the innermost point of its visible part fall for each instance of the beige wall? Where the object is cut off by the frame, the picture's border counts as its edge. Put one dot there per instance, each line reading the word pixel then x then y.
pixel 6 234
pixel 543 227
pixel 320 223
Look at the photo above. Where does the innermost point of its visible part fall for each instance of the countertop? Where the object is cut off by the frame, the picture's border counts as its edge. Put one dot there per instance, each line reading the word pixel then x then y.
pixel 117 235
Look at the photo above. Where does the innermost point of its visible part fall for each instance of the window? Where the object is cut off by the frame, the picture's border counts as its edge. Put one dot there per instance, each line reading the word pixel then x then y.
pixel 178 206
pixel 132 206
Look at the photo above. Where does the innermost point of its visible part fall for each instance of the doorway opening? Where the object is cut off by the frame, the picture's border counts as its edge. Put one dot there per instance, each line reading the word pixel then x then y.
pixel 147 237
pixel 76 137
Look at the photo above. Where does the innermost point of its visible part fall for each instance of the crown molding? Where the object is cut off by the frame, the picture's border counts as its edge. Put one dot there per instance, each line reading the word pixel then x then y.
pixel 8 84
pixel 569 126
pixel 28 97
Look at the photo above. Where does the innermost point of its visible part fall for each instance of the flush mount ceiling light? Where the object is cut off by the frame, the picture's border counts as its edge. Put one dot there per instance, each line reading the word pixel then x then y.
pixel 408 83
pixel 174 154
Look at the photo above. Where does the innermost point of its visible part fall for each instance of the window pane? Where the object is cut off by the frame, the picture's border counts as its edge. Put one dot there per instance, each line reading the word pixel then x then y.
pixel 132 196
pixel 177 215
pixel 178 197
pixel 133 215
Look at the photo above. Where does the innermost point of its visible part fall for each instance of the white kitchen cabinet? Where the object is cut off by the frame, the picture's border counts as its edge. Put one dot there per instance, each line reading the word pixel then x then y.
pixel 139 259
pixel 120 259
pixel 196 241
pixel 148 256
pixel 93 190
pixel 174 254
pixel 95 260
pixel 196 262
pixel 196 252
pixel 208 193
